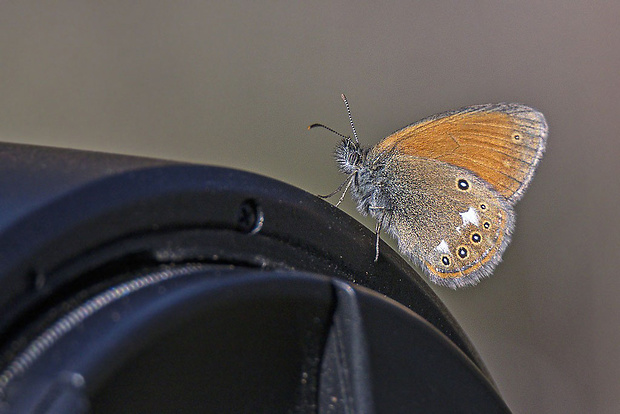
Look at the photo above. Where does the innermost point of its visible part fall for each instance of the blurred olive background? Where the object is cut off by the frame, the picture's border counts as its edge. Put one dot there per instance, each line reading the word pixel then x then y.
pixel 236 84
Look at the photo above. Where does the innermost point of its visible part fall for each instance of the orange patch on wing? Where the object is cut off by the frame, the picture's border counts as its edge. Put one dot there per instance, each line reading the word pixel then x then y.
pixel 480 141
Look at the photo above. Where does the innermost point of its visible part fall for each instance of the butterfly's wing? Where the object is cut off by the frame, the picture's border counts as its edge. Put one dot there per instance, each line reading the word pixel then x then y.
pixel 450 222
pixel 501 143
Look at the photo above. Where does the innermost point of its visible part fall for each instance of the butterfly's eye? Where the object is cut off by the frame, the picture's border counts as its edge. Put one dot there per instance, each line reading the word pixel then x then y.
pixel 463 184
pixel 462 252
pixel 476 238
pixel 445 260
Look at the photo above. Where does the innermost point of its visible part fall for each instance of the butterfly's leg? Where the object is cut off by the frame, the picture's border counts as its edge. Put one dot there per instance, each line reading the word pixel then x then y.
pixel 348 182
pixel 345 191
pixel 386 214
pixel 378 229
pixel 336 190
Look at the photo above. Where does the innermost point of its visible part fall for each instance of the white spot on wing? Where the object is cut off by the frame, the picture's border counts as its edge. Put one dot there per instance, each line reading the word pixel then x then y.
pixel 443 247
pixel 470 216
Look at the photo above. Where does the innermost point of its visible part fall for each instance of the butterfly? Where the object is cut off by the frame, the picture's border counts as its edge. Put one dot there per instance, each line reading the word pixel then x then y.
pixel 444 187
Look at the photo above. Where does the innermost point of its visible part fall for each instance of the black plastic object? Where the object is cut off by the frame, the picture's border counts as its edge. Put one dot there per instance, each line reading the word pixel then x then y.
pixel 138 285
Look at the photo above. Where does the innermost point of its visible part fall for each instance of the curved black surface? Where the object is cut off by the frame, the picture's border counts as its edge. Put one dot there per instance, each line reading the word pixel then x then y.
pixel 75 223
pixel 224 340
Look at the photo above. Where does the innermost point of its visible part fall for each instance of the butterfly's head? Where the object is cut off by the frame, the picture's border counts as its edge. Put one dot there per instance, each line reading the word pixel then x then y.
pixel 349 155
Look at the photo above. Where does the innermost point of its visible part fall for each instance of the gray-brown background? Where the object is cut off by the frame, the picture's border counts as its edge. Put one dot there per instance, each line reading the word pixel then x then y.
pixel 236 84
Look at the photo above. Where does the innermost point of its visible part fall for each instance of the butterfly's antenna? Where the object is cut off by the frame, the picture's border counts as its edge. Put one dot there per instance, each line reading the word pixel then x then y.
pixel 327 128
pixel 346 103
